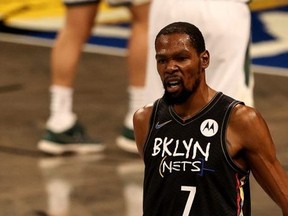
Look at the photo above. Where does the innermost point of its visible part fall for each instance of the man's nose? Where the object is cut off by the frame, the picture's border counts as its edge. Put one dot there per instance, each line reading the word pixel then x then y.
pixel 171 66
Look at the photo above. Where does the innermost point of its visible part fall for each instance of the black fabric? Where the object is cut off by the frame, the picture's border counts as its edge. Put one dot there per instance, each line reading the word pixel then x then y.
pixel 183 156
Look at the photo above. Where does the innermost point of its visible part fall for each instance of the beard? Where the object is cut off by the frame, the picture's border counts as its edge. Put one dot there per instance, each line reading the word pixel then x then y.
pixel 180 97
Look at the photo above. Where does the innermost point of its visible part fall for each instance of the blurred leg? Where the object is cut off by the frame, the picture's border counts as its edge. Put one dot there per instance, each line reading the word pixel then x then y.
pixel 63 132
pixel 137 60
pixel 137 57
pixel 67 50
pixel 64 61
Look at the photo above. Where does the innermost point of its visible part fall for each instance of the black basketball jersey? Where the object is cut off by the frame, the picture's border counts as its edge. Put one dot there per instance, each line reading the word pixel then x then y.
pixel 187 167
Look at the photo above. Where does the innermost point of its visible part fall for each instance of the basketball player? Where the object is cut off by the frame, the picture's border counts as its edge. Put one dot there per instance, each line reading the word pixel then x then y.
pixel 63 131
pixel 199 145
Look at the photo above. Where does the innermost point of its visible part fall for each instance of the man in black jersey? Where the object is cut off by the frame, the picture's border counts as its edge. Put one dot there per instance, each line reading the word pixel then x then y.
pixel 198 144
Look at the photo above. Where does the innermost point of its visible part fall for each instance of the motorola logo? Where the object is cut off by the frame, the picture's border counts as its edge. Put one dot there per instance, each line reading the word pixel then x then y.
pixel 209 127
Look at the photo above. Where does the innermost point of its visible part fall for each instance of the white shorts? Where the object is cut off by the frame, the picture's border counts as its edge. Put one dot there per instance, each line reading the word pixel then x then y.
pixel 110 2
pixel 225 26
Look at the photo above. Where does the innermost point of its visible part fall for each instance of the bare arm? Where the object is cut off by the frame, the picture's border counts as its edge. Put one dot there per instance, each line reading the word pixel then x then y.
pixel 141 121
pixel 254 149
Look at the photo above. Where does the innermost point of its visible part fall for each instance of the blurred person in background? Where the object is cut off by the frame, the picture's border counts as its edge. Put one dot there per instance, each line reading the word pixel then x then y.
pixel 64 132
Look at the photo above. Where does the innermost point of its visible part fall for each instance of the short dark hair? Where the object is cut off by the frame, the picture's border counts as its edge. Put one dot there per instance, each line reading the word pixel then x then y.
pixel 195 35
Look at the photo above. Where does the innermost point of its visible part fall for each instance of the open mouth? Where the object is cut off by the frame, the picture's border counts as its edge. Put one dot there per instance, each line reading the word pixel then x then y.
pixel 173 84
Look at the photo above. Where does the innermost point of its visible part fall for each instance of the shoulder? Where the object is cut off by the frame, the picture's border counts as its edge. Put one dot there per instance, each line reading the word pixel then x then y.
pixel 248 137
pixel 244 117
pixel 249 128
pixel 143 114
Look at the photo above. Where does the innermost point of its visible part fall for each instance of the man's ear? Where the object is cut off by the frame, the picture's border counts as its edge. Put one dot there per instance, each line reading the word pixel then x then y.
pixel 205 59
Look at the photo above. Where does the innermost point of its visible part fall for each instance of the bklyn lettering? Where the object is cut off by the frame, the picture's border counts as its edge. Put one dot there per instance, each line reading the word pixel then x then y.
pixel 187 153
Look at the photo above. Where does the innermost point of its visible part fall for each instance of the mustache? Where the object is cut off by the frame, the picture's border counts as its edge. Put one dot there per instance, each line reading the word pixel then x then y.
pixel 169 76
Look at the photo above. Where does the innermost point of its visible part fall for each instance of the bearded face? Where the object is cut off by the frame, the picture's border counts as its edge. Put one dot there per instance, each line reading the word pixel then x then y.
pixel 179 66
pixel 180 96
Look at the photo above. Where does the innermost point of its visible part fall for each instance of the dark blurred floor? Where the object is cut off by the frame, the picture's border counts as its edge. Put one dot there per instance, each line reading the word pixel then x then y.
pixel 32 184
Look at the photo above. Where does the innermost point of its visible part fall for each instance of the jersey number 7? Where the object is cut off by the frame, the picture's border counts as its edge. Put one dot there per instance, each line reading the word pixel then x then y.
pixel 192 192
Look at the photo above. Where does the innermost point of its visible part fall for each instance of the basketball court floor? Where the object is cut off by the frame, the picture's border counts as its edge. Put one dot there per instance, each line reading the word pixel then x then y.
pixel 110 183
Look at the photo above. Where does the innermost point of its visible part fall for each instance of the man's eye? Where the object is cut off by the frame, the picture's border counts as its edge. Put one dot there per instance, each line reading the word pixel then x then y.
pixel 160 61
pixel 181 58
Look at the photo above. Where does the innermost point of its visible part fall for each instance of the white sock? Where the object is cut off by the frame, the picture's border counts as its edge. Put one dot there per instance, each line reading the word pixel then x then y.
pixel 61 114
pixel 136 101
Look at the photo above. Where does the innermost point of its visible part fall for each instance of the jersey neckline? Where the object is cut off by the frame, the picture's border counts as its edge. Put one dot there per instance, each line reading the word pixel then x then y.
pixel 201 112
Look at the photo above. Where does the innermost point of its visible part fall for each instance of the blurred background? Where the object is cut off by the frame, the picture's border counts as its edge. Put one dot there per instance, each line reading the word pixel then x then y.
pixel 40 20
pixel 110 183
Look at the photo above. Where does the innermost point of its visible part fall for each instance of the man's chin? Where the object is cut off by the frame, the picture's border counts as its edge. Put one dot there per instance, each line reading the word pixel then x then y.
pixel 176 98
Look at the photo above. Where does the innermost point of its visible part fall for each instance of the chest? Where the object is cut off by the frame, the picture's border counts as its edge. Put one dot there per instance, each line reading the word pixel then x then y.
pixel 191 148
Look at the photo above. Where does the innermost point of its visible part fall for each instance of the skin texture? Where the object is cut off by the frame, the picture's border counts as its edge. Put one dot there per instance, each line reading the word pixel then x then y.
pixel 248 139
